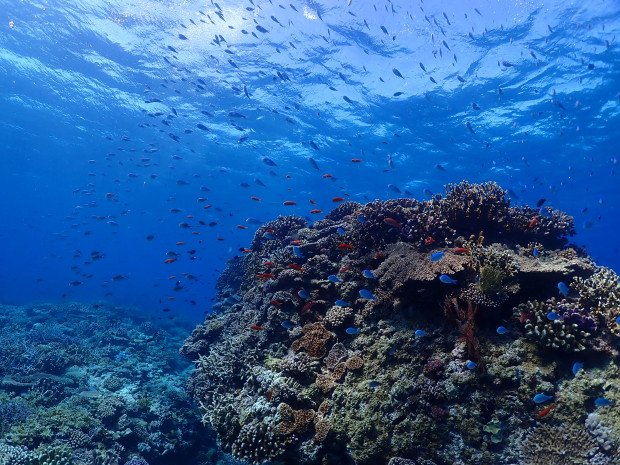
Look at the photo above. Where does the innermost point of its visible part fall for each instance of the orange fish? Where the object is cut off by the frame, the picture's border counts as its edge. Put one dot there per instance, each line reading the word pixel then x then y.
pixel 315 211
pixel 255 198
pixel 269 395
pixel 344 246
pixel 195 232
pixel 288 176
pixel 306 308
pixel 356 160
pixel 312 202
pixel 170 260
pixel 171 298
pixel 337 199
pixel 545 411
pixel 221 239
pixel 344 268
pixel 289 202
pixel 207 206
pixel 240 226
pixel 172 277
pixel 180 243
pixel 257 328
pixel 276 302
pixel 296 267
pixel 461 250
pixel 268 263
pixel 327 175
pixel 246 251
pixel 298 242
pixel 533 222
pixel 392 222
pixel 189 216
pixel 429 240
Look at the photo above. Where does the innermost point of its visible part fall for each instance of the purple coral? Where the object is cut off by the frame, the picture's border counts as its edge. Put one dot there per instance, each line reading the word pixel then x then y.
pixel 575 315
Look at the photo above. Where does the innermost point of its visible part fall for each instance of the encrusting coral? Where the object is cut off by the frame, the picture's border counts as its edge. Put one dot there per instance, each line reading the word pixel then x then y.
pixel 403 328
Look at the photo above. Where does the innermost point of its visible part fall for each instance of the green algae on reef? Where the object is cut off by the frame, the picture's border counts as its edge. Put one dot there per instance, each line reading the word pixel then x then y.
pixel 312 393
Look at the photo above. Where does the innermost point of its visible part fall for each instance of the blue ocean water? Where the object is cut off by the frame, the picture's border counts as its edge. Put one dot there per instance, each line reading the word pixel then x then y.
pixel 129 127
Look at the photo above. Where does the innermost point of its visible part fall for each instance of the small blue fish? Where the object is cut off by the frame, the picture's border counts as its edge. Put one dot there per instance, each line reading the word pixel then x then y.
pixel 269 236
pixel 341 231
pixel 334 278
pixel 351 331
pixel 563 288
pixel 444 278
pixel 437 256
pixel 535 252
pixel 576 367
pixel 342 303
pixel 618 320
pixel 420 333
pixel 361 219
pixel 602 402
pixel 540 398
pixel 471 365
pixel 368 274
pixel 374 384
pixel 303 294
pixel 366 294
pixel 297 252
pixel 553 316
pixel 252 220
pixel 287 324
pixel 502 330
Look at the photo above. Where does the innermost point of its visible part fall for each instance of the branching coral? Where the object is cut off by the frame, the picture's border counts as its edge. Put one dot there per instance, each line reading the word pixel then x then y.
pixel 559 445
pixel 257 443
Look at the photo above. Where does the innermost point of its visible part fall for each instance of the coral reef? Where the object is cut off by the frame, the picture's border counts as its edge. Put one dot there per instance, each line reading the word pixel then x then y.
pixel 412 332
pixel 85 384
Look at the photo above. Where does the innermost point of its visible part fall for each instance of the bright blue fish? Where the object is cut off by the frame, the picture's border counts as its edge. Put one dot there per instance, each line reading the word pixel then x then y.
pixel 602 402
pixel 502 330
pixel 342 303
pixel 535 252
pixel 297 252
pixel 444 278
pixel 563 288
pixel 394 188
pixel 471 365
pixel 368 274
pixel 618 320
pixel 351 331
pixel 540 398
pixel 361 219
pixel 374 384
pixel 252 220
pixel 366 294
pixel 334 278
pixel 576 367
pixel 437 256
pixel 420 333
pixel 269 236
pixel 303 294
pixel 287 324
pixel 553 316
pixel 341 231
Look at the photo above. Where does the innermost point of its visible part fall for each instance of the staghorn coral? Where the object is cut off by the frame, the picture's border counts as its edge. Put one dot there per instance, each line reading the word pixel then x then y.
pixel 559 445
pixel 313 340
pixel 257 443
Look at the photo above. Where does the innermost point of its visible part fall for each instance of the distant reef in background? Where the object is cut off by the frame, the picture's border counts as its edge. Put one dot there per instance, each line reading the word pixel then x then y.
pixel 95 384
pixel 456 330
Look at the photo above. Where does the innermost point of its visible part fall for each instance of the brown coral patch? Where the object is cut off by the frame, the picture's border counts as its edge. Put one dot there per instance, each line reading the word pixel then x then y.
pixel 294 420
pixel 405 263
pixel 313 340
pixel 354 363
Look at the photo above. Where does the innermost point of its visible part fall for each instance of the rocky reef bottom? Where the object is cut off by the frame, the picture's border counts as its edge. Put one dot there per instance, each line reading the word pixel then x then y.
pixel 95 384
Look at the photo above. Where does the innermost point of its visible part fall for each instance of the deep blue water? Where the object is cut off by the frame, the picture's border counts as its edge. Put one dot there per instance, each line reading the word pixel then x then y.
pixel 93 92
